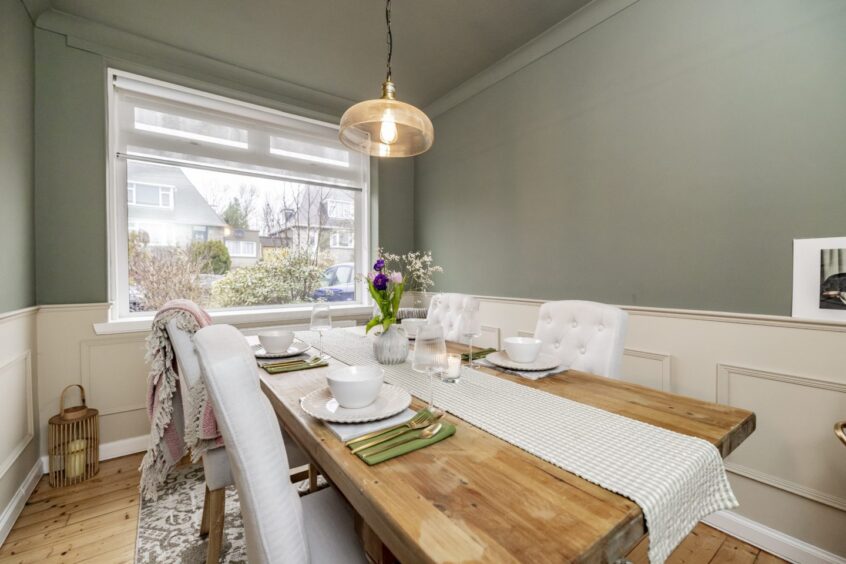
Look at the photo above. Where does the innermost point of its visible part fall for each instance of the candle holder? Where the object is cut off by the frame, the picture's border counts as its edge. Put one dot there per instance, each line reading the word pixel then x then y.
pixel 73 445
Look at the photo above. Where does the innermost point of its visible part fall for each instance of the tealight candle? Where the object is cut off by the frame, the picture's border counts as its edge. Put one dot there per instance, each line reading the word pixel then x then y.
pixel 453 366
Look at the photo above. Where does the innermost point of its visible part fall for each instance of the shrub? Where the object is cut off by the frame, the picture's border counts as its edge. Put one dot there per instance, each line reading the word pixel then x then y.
pixel 163 273
pixel 283 276
pixel 212 255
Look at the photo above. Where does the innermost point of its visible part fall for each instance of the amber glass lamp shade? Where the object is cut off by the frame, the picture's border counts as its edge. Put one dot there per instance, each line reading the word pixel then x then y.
pixel 386 127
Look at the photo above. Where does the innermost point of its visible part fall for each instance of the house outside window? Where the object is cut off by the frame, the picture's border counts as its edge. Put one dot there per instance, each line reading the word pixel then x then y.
pixel 194 175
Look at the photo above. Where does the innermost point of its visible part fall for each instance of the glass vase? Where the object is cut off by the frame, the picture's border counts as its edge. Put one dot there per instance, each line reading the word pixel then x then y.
pixel 391 347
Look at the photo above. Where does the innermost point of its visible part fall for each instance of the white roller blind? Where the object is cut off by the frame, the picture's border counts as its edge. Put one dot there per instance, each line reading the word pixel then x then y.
pixel 169 124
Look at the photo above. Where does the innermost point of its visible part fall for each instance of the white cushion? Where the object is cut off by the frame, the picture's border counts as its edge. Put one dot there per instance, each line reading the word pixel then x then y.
pixel 586 336
pixel 330 528
pixel 216 469
pixel 446 310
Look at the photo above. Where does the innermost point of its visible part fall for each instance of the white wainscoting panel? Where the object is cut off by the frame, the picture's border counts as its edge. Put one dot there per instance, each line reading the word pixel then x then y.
pixel 17 429
pixel 793 447
pixel 649 369
pixel 114 374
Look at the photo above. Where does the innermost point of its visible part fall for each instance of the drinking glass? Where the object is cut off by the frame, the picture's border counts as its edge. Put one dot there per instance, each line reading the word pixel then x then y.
pixel 430 355
pixel 321 320
pixel 471 327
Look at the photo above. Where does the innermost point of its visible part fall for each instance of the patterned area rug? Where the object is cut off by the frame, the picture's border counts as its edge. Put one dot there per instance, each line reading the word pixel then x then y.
pixel 169 528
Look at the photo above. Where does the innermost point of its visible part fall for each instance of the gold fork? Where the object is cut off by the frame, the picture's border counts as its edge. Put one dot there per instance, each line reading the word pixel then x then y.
pixel 426 433
pixel 423 419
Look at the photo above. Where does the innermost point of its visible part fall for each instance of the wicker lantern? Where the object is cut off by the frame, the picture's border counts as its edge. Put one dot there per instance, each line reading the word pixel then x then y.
pixel 73 444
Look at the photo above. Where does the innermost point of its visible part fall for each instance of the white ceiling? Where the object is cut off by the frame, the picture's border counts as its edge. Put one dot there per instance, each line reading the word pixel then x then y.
pixel 338 46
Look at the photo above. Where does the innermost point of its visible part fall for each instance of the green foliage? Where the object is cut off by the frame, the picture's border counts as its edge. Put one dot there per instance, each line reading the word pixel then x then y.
pixel 283 276
pixel 213 255
pixel 235 215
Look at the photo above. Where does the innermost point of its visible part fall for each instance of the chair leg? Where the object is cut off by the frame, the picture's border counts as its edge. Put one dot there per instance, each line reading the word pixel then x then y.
pixel 204 522
pixel 313 473
pixel 217 510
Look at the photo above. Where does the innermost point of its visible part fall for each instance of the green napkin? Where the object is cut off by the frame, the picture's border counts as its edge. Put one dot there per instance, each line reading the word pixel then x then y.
pixel 447 430
pixel 481 353
pixel 282 368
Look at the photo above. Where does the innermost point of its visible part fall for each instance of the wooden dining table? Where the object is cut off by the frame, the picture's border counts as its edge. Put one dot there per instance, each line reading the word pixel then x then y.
pixel 477 498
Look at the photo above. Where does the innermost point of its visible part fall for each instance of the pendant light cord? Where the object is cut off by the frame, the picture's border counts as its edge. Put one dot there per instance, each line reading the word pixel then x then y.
pixel 390 36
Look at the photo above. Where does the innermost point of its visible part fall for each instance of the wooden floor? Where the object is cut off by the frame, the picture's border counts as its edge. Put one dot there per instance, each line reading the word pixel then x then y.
pixel 96 522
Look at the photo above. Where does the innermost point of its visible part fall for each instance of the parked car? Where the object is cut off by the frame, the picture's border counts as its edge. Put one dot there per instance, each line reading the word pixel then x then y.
pixel 338 283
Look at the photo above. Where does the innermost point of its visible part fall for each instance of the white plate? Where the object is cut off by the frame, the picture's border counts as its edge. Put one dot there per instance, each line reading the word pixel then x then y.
pixel 544 361
pixel 321 405
pixel 297 347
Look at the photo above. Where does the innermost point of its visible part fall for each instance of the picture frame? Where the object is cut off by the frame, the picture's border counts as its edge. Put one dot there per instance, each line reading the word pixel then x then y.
pixel 819 278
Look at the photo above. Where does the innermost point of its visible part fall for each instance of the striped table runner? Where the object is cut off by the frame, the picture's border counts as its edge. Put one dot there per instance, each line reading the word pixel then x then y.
pixel 675 479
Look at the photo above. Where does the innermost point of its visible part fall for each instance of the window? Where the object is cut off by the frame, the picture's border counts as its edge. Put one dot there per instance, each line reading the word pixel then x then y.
pixel 240 249
pixel 342 240
pixel 229 204
pixel 143 194
pixel 337 209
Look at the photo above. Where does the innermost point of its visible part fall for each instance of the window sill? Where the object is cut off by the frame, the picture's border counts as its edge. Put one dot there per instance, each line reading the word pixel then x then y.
pixel 282 316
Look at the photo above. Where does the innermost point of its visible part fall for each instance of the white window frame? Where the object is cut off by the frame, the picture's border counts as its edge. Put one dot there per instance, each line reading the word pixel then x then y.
pixel 335 239
pixel 241 253
pixel 131 187
pixel 332 205
pixel 120 319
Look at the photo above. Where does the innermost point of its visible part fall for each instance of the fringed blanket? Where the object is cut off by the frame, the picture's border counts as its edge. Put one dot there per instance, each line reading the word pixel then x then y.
pixel 168 411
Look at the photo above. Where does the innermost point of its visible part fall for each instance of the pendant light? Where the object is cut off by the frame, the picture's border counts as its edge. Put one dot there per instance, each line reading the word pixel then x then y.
pixel 387 127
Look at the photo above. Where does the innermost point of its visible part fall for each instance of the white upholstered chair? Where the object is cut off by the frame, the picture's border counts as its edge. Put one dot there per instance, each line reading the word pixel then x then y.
pixel 278 524
pixel 446 309
pixel 585 336
pixel 215 462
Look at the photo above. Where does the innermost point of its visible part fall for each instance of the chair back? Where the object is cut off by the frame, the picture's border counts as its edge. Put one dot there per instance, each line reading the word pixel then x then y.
pixel 586 336
pixel 270 506
pixel 183 348
pixel 445 310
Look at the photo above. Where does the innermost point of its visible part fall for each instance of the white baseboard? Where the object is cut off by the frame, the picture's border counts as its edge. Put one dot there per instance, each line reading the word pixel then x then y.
pixel 770 540
pixel 114 449
pixel 16 505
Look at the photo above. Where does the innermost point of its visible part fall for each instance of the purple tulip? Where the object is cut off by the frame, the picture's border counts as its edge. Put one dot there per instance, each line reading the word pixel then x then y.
pixel 380 264
pixel 396 277
pixel 380 282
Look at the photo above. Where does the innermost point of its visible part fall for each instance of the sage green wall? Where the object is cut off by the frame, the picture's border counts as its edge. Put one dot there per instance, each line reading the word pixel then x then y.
pixel 396 204
pixel 70 173
pixel 70 99
pixel 667 157
pixel 16 157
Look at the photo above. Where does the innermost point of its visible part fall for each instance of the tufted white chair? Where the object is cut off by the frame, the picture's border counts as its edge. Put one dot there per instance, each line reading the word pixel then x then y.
pixel 215 462
pixel 585 336
pixel 446 309
pixel 278 525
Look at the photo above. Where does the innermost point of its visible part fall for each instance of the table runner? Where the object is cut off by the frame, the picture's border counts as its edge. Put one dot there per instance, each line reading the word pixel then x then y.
pixel 676 479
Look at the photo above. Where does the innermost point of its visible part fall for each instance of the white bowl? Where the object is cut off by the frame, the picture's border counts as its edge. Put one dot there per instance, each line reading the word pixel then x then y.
pixel 412 325
pixel 355 386
pixel 276 341
pixel 522 349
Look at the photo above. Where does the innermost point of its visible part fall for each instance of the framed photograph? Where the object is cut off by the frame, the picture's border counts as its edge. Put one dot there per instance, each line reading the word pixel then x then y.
pixel 819 278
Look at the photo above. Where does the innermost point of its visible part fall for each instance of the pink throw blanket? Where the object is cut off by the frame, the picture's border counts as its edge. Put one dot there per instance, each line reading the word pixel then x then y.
pixel 171 433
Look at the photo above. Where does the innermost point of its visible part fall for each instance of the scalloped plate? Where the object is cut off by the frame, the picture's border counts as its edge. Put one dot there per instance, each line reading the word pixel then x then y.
pixel 544 361
pixel 321 405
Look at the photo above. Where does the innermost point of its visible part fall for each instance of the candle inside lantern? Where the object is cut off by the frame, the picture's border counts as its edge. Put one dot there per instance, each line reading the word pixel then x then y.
pixel 75 459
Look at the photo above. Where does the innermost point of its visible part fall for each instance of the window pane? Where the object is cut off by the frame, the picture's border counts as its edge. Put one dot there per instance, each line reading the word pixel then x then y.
pixel 227 240
pixel 189 128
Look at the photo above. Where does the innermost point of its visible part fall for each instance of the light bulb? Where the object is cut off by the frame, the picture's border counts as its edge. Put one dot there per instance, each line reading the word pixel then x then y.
pixel 388 131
